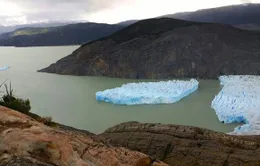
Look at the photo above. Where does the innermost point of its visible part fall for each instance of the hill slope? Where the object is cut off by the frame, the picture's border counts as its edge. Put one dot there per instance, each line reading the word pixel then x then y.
pixel 166 48
pixel 72 34
pixel 238 15
pixel 128 22
pixel 10 28
pixel 252 27
pixel 243 16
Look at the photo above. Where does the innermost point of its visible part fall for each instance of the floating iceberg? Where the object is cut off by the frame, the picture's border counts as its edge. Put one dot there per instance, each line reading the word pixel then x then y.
pixel 149 92
pixel 239 101
pixel 4 68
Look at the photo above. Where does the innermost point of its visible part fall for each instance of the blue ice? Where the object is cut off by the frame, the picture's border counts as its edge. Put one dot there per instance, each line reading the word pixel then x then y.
pixel 239 101
pixel 163 92
pixel 4 68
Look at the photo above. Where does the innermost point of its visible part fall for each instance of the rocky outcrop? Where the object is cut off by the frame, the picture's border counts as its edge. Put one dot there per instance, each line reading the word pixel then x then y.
pixel 26 142
pixel 166 48
pixel 186 146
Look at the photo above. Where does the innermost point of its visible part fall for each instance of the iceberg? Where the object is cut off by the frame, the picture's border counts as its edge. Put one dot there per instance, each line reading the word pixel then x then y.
pixel 163 92
pixel 239 102
pixel 4 68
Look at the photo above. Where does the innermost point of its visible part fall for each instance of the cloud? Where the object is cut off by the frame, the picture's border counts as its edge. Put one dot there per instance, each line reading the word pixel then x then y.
pixel 246 1
pixel 21 11
pixel 34 10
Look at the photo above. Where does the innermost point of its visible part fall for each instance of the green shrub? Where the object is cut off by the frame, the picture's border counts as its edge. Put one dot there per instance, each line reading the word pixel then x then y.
pixel 2 85
pixel 46 120
pixel 10 101
pixel 17 104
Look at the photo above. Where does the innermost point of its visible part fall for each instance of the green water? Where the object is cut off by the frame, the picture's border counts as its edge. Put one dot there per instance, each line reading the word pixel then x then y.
pixel 71 100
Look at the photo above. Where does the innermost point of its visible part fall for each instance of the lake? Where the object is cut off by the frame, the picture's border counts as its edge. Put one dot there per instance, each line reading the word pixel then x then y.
pixel 71 99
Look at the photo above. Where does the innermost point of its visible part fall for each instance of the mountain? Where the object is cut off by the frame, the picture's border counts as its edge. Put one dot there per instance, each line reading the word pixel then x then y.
pixel 72 34
pixel 5 29
pixel 239 15
pixel 128 22
pixel 253 27
pixel 166 48
pixel 243 16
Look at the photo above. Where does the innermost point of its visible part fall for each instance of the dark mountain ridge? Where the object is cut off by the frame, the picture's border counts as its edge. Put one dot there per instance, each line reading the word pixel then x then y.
pixel 10 28
pixel 244 16
pixel 146 28
pixel 241 16
pixel 166 48
pixel 72 34
pixel 234 15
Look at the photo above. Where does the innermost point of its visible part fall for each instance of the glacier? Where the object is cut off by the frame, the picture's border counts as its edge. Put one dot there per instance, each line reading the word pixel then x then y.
pixel 252 127
pixel 4 68
pixel 163 92
pixel 239 102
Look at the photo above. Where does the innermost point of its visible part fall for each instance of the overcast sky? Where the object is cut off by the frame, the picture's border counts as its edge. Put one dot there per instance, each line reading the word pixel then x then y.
pixel 108 11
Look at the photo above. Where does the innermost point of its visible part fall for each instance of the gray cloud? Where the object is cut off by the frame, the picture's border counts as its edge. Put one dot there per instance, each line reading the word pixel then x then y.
pixel 67 7
pixel 245 1
pixel 34 10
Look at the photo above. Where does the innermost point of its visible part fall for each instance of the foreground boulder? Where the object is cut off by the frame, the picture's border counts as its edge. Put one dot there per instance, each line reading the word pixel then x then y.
pixel 186 146
pixel 26 142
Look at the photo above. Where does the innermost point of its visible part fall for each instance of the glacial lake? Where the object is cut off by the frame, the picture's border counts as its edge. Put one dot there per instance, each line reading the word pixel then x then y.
pixel 70 100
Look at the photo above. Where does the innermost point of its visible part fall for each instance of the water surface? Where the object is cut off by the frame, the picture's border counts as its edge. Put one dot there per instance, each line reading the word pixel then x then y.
pixel 71 100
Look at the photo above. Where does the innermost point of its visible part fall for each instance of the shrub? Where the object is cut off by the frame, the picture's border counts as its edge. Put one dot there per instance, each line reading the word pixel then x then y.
pixel 46 120
pixel 10 101
pixel 16 104
pixel 2 85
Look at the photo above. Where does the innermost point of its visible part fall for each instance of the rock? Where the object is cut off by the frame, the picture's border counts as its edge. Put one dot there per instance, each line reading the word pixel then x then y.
pixel 26 142
pixel 146 161
pixel 186 146
pixel 166 48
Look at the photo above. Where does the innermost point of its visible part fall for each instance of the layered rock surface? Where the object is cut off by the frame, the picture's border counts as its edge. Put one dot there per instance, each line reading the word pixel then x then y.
pixel 186 146
pixel 166 48
pixel 26 142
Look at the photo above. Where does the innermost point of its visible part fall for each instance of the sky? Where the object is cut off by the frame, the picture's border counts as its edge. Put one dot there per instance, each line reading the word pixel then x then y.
pixel 103 11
